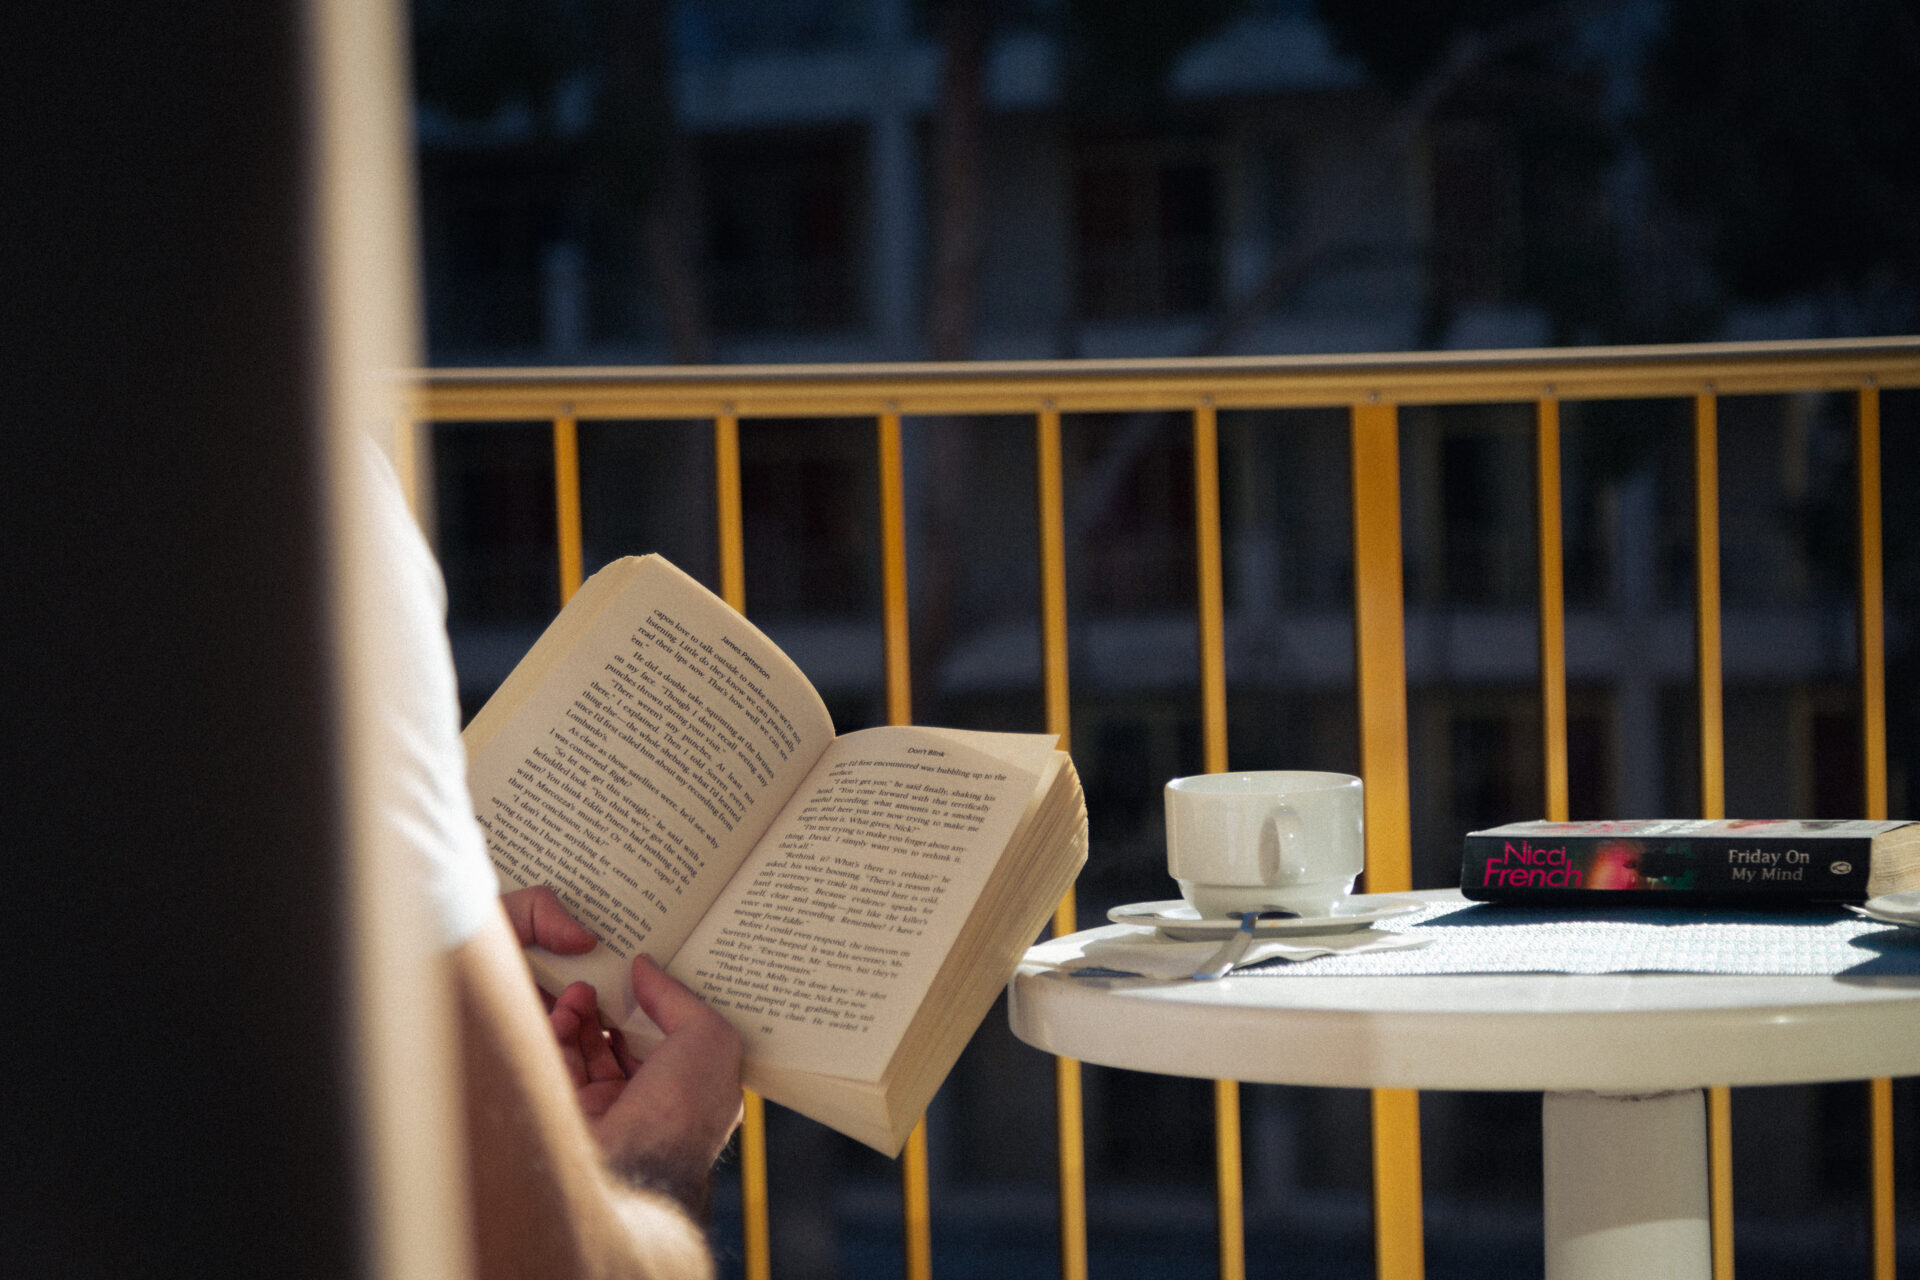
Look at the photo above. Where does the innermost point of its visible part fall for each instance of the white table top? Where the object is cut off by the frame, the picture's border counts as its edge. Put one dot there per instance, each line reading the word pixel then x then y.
pixel 1610 1032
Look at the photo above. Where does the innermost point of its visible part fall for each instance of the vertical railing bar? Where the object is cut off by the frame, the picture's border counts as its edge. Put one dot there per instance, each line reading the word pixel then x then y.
pixel 1880 1163
pixel 727 508
pixel 1873 653
pixel 1052 529
pixel 1706 535
pixel 1379 626
pixel 1713 799
pixel 1069 1107
pixel 1228 1180
pixel 1070 1129
pixel 756 1237
pixel 1553 606
pixel 1720 1178
pixel 566 492
pixel 917 1213
pixel 1052 519
pixel 1873 757
pixel 893 569
pixel 1211 605
pixel 1399 1236
pixel 1380 645
pixel 1212 602
pixel 916 1198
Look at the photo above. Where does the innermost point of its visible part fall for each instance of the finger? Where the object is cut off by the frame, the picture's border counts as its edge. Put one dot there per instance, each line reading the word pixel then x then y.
pixel 596 1052
pixel 585 1044
pixel 518 904
pixel 698 1058
pixel 579 999
pixel 618 1041
pixel 575 1022
pixel 667 1001
pixel 540 919
pixel 566 1037
pixel 683 1102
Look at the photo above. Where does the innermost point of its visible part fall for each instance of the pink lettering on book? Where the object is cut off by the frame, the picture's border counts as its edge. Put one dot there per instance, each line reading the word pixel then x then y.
pixel 1531 866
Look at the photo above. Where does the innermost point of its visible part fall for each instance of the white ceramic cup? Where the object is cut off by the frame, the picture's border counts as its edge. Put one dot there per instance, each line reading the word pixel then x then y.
pixel 1289 838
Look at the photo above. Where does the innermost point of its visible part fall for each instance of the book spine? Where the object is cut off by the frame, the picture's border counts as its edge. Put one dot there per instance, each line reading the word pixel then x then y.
pixel 1669 869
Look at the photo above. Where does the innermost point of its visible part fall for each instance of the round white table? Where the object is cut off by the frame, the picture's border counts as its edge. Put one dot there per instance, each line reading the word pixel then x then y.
pixel 1622 1059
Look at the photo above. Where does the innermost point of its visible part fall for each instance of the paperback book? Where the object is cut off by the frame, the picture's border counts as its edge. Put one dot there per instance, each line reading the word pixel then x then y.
pixel 1751 862
pixel 853 903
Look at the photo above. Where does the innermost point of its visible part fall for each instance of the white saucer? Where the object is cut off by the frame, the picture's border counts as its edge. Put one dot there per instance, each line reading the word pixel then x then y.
pixel 1177 918
pixel 1892 908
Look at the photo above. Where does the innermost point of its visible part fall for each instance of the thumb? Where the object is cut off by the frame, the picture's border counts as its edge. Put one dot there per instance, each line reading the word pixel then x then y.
pixel 663 997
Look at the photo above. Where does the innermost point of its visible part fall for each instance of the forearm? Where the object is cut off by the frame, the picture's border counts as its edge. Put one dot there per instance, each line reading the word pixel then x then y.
pixel 545 1202
pixel 658 1248
pixel 688 1188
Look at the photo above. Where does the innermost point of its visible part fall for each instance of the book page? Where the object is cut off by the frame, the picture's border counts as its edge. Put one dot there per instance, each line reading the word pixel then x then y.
pixel 644 763
pixel 824 944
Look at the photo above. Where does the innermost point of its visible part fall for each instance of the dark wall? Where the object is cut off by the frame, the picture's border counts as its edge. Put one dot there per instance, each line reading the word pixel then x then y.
pixel 175 1095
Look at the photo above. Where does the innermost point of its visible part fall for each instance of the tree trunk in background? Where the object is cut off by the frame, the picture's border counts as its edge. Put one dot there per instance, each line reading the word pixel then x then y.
pixel 670 240
pixel 646 161
pixel 954 275
pixel 953 278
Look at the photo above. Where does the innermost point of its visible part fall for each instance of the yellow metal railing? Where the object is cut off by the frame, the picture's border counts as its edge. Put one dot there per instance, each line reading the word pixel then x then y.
pixel 1070 1136
pixel 1371 389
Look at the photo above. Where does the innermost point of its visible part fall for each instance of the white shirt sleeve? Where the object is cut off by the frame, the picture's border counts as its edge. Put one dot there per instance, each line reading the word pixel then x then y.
pixel 421 789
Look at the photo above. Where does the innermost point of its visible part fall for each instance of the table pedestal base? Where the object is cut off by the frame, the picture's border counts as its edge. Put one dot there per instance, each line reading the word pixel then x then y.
pixel 1626 1185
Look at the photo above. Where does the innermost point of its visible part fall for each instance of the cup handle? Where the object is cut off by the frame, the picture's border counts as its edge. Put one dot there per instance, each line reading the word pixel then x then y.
pixel 1287 830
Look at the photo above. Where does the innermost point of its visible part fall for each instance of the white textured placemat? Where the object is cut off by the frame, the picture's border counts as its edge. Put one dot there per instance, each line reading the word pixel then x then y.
pixel 1483 938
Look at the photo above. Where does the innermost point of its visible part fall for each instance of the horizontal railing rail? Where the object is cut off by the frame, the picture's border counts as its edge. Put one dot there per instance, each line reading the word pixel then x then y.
pixel 1372 388
pixel 1076 386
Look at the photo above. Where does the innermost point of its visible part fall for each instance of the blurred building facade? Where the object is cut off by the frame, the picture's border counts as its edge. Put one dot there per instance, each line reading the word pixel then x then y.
pixel 1104 235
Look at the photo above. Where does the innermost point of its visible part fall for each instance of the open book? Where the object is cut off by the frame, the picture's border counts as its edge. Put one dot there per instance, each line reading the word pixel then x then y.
pixel 852 904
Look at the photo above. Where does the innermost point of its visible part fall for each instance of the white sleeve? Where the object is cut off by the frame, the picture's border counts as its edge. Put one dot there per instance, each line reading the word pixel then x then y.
pixel 421 789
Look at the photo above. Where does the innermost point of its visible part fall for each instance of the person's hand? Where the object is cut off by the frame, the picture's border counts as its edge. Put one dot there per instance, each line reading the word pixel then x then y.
pixel 540 921
pixel 662 1120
